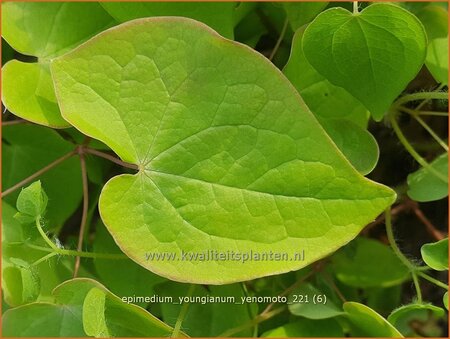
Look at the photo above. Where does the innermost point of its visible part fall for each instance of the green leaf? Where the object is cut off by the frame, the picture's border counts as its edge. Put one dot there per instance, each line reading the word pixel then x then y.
pixel 435 254
pixel 48 29
pixel 28 93
pixel 358 265
pixel 73 307
pixel 21 282
pixel 406 318
pixel 219 316
pixel 306 328
pixel 437 59
pixel 94 322
pixel 383 299
pixel 445 300
pixel 104 314
pixel 131 274
pixel 32 200
pixel 343 117
pixel 435 20
pixel 26 150
pixel 229 155
pixel 20 285
pixel 301 13
pixel 43 30
pixel 373 54
pixel 425 186
pixel 302 302
pixel 41 320
pixel 365 322
pixel 217 15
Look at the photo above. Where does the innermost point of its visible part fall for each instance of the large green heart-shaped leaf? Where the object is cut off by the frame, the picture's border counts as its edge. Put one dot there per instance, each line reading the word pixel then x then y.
pixel 43 30
pixel 230 158
pixel 372 54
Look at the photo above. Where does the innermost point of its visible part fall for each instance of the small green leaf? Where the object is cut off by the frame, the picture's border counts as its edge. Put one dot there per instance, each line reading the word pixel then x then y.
pixel 20 284
pixel 28 93
pixel 62 183
pixel 405 318
pixel 306 328
pixel 373 54
pixel 301 13
pixel 94 322
pixel 204 141
pixel 435 254
pixel 365 322
pixel 302 302
pixel 425 186
pixel 437 59
pixel 358 265
pixel 32 200
pixel 445 300
pixel 217 15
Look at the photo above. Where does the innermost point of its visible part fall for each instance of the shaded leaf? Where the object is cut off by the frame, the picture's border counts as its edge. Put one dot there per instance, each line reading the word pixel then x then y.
pixel 437 59
pixel 373 54
pixel 358 265
pixel 365 322
pixel 301 13
pixel 425 186
pixel 343 117
pixel 301 303
pixel 408 318
pixel 435 254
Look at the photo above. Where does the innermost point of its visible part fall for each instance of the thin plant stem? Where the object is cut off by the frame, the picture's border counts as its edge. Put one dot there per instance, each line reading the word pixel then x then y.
pixel 110 158
pixel 44 258
pixel 415 112
pixel 280 39
pixel 355 7
pixel 412 151
pixel 84 213
pixel 44 236
pixel 417 287
pixel 257 320
pixel 73 253
pixel 441 86
pixel 432 280
pixel 14 122
pixel 421 96
pixel 38 173
pixel 182 315
pixel 431 132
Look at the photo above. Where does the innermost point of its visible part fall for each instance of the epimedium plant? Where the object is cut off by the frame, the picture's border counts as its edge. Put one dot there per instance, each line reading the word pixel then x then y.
pixel 193 136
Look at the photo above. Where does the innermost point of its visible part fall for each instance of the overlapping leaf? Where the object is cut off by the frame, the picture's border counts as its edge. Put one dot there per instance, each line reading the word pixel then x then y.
pixel 43 30
pixel 373 54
